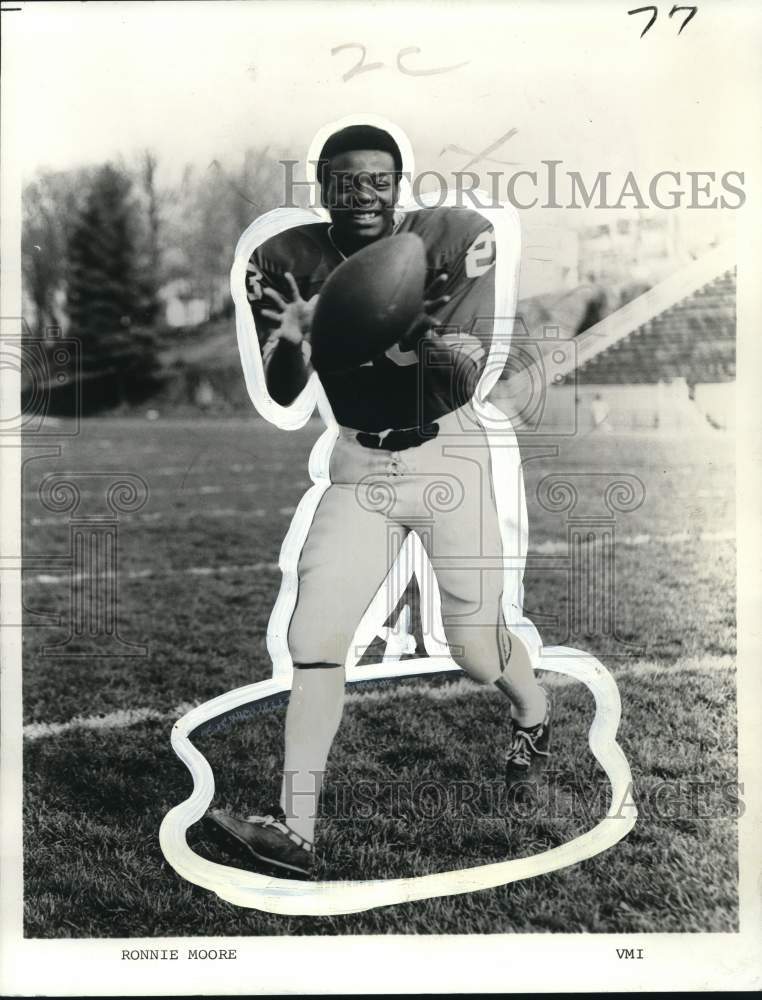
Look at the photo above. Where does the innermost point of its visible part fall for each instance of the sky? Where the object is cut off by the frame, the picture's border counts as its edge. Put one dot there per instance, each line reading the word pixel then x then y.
pixel 198 81
pixel 568 81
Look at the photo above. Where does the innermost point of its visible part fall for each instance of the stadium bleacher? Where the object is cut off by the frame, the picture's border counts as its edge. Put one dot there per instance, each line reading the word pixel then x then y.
pixel 663 361
pixel 693 339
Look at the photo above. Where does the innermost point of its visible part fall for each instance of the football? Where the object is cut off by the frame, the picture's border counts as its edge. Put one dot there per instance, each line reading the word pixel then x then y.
pixel 368 303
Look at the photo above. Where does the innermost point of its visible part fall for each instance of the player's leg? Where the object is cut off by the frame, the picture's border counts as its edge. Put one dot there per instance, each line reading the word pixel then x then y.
pixel 478 558
pixel 479 579
pixel 495 644
pixel 346 556
pixel 519 655
pixel 489 649
pixel 314 712
pixel 507 532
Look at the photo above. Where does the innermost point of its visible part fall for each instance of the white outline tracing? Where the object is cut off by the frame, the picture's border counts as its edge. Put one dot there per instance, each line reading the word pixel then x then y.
pixel 286 896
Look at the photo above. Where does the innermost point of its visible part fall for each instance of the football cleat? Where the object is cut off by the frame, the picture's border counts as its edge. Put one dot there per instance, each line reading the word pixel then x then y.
pixel 527 756
pixel 265 839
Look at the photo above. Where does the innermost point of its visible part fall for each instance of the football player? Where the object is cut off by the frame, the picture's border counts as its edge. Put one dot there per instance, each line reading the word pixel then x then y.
pixel 395 412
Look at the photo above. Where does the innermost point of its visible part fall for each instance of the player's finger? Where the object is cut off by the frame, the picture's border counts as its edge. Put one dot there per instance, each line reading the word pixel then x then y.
pixel 276 297
pixel 431 305
pixel 293 286
pixel 438 284
pixel 415 332
pixel 271 314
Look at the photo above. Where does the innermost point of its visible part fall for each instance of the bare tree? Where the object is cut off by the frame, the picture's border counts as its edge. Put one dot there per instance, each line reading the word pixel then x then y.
pixel 210 211
pixel 50 205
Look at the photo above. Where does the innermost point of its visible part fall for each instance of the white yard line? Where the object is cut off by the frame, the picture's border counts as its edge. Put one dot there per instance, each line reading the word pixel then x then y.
pixel 127 717
pixel 144 574
pixel 541 548
pixel 175 491
pixel 258 512
pixel 237 468
pixel 175 515
pixel 120 719
pixel 632 541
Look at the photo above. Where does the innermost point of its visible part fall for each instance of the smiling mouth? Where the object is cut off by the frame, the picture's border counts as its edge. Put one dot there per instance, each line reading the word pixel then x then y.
pixel 367 216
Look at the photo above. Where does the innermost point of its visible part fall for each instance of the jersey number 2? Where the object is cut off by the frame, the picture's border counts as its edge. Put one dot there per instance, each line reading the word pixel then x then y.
pixel 481 255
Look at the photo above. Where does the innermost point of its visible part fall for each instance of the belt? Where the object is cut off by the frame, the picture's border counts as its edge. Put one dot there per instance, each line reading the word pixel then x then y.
pixel 408 437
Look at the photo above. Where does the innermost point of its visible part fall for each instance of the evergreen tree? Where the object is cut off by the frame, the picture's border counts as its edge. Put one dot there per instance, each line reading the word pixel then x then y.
pixel 105 301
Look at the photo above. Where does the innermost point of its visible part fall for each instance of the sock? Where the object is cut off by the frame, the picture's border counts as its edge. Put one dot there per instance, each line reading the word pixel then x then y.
pixel 314 712
pixel 519 683
pixel 530 708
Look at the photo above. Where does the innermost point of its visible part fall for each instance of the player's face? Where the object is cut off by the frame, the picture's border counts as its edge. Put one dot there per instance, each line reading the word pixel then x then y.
pixel 360 193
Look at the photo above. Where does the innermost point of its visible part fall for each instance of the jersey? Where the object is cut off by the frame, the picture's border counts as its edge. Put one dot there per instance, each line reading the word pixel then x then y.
pixel 402 388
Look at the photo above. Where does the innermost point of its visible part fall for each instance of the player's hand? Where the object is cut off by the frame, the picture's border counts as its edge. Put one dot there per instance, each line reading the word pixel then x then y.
pixel 436 300
pixel 427 321
pixel 294 317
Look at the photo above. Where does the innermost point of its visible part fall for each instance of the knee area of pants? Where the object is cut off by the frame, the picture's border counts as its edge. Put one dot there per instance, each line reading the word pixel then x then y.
pixel 315 659
pixel 481 673
pixel 308 649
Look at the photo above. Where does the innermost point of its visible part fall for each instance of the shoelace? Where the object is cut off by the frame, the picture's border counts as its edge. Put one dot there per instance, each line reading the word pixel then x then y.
pixel 282 828
pixel 524 746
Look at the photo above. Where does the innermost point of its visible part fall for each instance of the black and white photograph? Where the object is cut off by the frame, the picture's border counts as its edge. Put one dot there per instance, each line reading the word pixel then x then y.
pixel 380 525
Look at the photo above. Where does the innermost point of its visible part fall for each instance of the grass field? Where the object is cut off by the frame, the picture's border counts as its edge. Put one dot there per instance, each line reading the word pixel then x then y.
pixel 197 580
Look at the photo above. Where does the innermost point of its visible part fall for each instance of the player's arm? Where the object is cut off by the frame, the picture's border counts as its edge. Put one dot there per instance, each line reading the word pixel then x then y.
pixel 283 321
